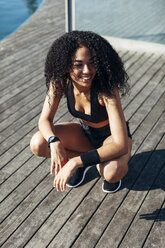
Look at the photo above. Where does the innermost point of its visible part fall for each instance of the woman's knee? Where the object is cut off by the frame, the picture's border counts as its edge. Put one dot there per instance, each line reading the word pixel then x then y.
pixel 113 171
pixel 37 143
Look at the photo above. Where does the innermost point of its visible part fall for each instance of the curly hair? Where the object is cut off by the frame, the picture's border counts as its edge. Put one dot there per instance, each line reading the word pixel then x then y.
pixel 110 72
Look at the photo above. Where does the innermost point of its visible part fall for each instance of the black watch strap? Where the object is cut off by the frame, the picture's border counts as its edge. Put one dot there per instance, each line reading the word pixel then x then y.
pixel 52 139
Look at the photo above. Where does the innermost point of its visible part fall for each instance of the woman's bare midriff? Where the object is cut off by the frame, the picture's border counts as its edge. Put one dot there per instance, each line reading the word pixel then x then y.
pixel 96 125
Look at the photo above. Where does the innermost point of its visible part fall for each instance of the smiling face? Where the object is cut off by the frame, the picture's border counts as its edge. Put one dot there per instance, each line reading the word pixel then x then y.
pixel 83 70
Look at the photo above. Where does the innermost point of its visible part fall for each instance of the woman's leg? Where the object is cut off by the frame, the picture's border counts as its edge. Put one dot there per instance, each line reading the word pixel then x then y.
pixel 71 136
pixel 113 171
pixel 75 142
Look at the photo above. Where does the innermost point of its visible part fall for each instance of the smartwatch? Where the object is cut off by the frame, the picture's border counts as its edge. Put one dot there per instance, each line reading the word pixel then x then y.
pixel 52 139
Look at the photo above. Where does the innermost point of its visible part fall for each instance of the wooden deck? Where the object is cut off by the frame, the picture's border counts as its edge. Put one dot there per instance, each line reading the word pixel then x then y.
pixel 32 212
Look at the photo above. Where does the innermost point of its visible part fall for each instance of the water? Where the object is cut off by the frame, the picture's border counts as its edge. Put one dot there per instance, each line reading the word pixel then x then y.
pixel 15 12
pixel 131 19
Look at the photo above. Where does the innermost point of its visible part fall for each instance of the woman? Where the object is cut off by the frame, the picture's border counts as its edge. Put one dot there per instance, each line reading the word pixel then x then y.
pixel 87 70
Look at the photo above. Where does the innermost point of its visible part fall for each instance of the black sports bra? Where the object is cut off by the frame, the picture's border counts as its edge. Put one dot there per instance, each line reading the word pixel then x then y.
pixel 98 112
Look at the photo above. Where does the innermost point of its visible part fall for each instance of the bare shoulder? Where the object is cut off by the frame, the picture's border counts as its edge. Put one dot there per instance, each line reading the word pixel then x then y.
pixel 112 100
pixel 116 115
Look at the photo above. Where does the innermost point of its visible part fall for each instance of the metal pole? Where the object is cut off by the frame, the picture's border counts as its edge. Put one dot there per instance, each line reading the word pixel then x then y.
pixel 70 15
pixel 66 16
pixel 73 14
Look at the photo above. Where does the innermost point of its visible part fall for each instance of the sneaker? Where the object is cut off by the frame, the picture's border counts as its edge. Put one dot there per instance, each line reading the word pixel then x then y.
pixel 78 177
pixel 110 187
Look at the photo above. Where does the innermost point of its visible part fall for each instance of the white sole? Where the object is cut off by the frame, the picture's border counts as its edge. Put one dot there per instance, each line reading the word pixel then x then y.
pixel 85 171
pixel 109 192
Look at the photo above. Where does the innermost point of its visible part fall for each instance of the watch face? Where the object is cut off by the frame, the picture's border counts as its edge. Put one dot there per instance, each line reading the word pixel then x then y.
pixel 52 139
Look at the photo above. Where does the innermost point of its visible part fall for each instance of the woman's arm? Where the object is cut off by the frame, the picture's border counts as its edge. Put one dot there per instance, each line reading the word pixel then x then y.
pixel 117 144
pixel 50 106
pixel 46 127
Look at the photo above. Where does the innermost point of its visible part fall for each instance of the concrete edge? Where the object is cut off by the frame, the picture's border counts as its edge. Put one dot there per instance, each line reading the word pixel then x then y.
pixel 136 45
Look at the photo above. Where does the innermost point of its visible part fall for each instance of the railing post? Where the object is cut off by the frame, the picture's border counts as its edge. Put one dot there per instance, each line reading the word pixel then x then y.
pixel 70 15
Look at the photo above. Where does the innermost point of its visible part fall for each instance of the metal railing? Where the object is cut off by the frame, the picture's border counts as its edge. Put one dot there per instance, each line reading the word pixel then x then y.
pixel 70 15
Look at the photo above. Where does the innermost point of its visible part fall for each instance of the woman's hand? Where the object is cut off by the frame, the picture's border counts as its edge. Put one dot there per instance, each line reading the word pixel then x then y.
pixel 65 173
pixel 58 156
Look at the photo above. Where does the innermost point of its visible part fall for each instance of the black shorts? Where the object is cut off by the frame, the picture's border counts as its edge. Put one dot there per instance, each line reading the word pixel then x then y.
pixel 98 135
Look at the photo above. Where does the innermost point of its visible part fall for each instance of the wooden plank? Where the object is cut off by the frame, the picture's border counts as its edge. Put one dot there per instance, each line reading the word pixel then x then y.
pixel 19 176
pixel 141 131
pixel 19 148
pixel 137 64
pixel 144 93
pixel 49 208
pixel 79 218
pixel 38 216
pixel 18 78
pixel 146 147
pixel 30 95
pixel 27 207
pixel 9 122
pixel 152 100
pixel 18 141
pixel 96 226
pixel 144 69
pixel 110 230
pixel 23 121
pixel 133 201
pixel 28 82
pixel 143 79
pixel 156 236
pixel 35 56
pixel 24 189
pixel 23 68
pixel 28 127
pixel 14 168
pixel 123 54
pixel 14 163
pixel 56 237
pixel 139 228
pixel 56 241
pixel 134 57
pixel 43 43
pixel 20 180
pixel 21 94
